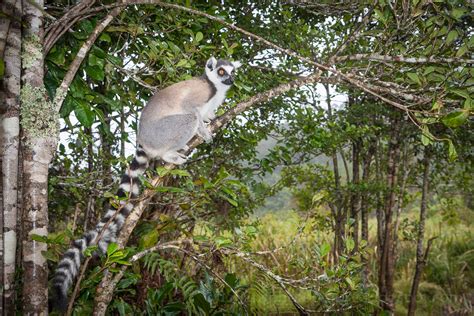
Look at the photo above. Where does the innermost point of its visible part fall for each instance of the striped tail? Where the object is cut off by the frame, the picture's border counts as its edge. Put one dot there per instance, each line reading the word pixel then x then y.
pixel 69 266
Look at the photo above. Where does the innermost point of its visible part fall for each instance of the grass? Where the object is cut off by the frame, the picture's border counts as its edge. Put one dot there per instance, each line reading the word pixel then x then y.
pixel 447 283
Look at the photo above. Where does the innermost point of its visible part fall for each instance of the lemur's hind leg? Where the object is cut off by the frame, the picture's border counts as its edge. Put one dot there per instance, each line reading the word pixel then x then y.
pixel 174 157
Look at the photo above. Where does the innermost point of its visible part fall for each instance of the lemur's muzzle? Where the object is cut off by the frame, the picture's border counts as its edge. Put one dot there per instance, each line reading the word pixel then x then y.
pixel 229 81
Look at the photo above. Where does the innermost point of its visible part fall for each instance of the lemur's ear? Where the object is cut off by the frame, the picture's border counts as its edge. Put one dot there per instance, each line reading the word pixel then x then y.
pixel 236 64
pixel 211 63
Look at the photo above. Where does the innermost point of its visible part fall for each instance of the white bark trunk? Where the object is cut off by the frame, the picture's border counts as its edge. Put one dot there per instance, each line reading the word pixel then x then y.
pixel 39 126
pixel 11 129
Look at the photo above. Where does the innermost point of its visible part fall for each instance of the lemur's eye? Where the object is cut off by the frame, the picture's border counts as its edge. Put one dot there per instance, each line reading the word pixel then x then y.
pixel 221 72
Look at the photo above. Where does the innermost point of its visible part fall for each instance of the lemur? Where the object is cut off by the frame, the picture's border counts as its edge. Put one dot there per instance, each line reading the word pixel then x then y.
pixel 167 123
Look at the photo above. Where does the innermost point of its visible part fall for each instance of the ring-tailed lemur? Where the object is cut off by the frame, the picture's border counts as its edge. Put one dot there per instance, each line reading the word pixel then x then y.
pixel 167 123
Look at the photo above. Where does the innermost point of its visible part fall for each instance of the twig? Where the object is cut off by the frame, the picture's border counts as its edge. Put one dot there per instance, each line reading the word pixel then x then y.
pixel 195 258
pixel 61 91
pixel 405 59
pixel 277 278
pixel 352 36
pixel 60 26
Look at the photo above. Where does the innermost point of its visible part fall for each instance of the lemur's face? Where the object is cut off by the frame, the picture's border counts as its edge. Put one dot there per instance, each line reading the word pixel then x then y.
pixel 221 72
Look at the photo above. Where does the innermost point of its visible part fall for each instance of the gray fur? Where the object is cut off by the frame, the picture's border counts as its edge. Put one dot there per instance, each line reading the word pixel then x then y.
pixel 174 115
pixel 167 123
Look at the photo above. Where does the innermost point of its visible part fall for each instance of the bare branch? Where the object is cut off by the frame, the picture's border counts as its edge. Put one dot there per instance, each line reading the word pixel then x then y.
pixel 276 278
pixel 404 59
pixel 61 91
pixel 59 27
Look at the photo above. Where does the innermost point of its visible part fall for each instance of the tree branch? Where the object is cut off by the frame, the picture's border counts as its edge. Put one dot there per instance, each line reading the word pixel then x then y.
pixel 60 26
pixel 404 59
pixel 61 91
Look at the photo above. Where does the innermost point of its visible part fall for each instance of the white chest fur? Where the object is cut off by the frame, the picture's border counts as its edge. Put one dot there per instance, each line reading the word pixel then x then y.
pixel 209 109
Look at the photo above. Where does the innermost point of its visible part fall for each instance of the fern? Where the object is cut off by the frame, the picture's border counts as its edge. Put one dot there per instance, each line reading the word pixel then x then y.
pixel 183 284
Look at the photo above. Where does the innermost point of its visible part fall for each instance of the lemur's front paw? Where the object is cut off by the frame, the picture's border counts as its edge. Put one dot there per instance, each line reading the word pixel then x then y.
pixel 206 134
pixel 209 117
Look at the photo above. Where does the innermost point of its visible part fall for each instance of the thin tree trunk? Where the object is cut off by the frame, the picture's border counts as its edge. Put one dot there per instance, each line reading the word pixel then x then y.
pixel 379 197
pixel 420 257
pixel 2 284
pixel 387 260
pixel 355 196
pixel 338 220
pixel 40 127
pixel 10 151
pixel 404 172
pixel 364 203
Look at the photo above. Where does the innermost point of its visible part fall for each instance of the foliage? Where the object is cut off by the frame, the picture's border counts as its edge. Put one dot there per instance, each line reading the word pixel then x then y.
pixel 297 150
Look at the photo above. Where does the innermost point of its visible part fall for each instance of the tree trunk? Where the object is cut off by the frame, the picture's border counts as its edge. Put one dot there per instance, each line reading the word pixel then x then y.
pixel 338 220
pixel 10 149
pixel 387 259
pixel 420 257
pixel 364 203
pixel 6 8
pixel 404 172
pixel 379 197
pixel 39 122
pixel 355 196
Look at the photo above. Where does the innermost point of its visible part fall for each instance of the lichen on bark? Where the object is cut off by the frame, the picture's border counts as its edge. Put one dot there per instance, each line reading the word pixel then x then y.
pixel 32 51
pixel 38 116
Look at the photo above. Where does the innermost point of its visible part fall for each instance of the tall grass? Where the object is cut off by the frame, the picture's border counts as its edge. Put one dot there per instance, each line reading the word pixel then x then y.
pixel 447 283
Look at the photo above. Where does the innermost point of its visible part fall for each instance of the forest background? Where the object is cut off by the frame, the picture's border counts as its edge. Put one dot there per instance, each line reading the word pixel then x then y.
pixel 339 179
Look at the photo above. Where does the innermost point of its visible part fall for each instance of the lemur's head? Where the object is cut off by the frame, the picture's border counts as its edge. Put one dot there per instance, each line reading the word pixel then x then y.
pixel 221 72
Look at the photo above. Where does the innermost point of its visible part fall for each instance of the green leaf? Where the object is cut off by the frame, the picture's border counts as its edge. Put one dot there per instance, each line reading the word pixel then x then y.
pixel 39 238
pixel 111 248
pixel 462 51
pixel 469 105
pixel 455 118
pixel 319 196
pixel 181 63
pixel 429 70
pixel 90 250
pixel 324 249
pixel 231 280
pixel 199 37
pixel 105 37
pixel 437 105
pixel 56 55
pixel 426 136
pixel 452 35
pixel 350 283
pixel 95 72
pixel 350 244
pixel 461 93
pixel 457 13
pixel 180 172
pixel 230 200
pixel 414 77
pixel 452 151
pixel 150 239
pixel 50 255
pixel 173 47
pixel 96 61
pixel 222 241
pixel 84 114
pixel 161 171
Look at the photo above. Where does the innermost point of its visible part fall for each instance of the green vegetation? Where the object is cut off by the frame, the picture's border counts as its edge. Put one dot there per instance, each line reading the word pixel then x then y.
pixel 345 186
